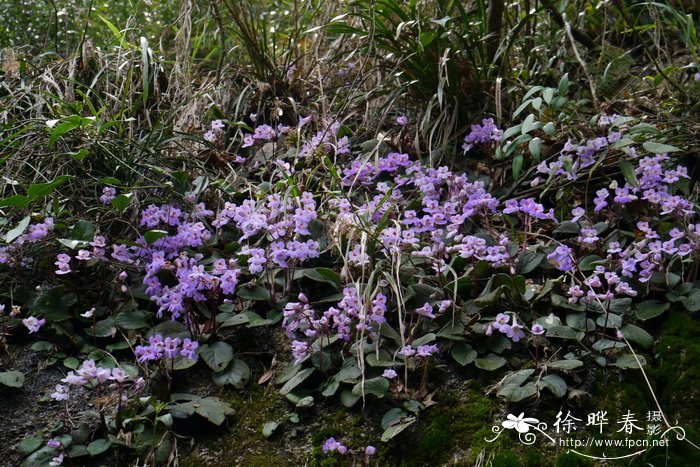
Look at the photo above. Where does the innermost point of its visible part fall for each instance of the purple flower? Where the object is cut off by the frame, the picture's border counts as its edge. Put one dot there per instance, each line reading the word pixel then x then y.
pixel 588 235
pixel 537 329
pixel 189 348
pixel 108 194
pixel 501 320
pixel 516 331
pixel 63 264
pixel 577 213
pixel 484 133
pixel 370 450
pixel 427 350
pixel 562 256
pixel 389 373
pixel 599 200
pixel 407 351
pixel 402 120
pixel 211 136
pixel 53 443
pixel 58 460
pixel 61 393
pixel 426 310
pixel 33 324
pixel 331 445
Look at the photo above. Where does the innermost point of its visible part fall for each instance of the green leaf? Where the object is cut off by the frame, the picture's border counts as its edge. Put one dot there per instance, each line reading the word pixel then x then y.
pixel 122 201
pixel 14 201
pixel 637 335
pixel 324 275
pixel 135 319
pixel 517 393
pixel 609 320
pixel 296 380
pixel 517 377
pixel 394 430
pixel 528 261
pixel 62 129
pixel 628 362
pixel 564 332
pixel 29 445
pixel 212 408
pixel 183 363
pixel 425 339
pixel 103 328
pixel 41 457
pixel 628 172
pixel 19 229
pixel 579 322
pixel 518 162
pixel 564 85
pixel 42 346
pixel 490 363
pixel 567 365
pixel 651 309
pixel 269 428
pixel 555 384
pixel 463 354
pixel 256 293
pixel 217 356
pixel 13 379
pixel 39 190
pixel 535 147
pixel 236 374
pixel 72 363
pixel 348 398
pixel 152 235
pixel 692 302
pixel 99 446
pixel 377 386
pixel 659 148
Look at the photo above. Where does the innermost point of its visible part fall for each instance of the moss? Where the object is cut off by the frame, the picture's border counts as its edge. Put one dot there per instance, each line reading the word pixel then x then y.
pixel 459 423
pixel 505 459
pixel 244 443
pixel 569 459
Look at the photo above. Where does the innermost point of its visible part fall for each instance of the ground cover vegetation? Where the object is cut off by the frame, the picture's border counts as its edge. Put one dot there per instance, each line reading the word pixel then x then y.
pixel 349 233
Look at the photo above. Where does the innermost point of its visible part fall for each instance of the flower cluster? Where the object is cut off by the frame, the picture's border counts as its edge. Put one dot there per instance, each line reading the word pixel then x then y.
pixel 90 374
pixel 169 347
pixel 108 194
pixel 13 254
pixel 331 445
pixel 513 331
pixel 213 134
pixel 483 133
pixel 33 324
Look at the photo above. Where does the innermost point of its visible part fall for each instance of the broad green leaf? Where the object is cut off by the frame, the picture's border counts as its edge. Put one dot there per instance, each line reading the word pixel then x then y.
pixel 236 374
pixel 29 445
pixel 217 356
pixel 490 363
pixel 651 309
pixel 659 148
pixel 13 379
pixel 296 380
pixel 567 365
pixel 637 335
pixel 555 384
pixel 394 430
pixel 628 362
pixel 98 447
pixel 517 393
pixel 19 229
pixel 376 386
pixel 464 354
